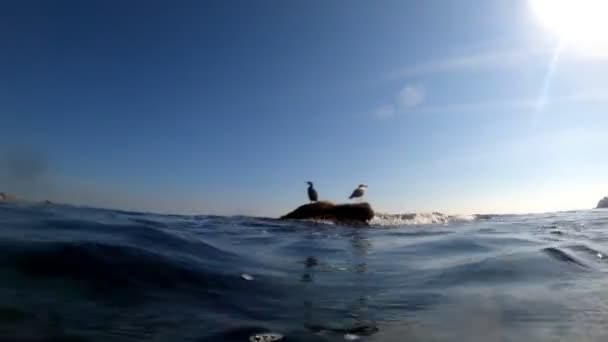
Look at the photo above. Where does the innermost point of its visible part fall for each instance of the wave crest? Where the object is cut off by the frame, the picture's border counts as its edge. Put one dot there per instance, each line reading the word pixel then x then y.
pixel 410 219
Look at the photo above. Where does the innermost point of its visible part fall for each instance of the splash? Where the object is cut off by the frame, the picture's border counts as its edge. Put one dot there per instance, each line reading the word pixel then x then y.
pixel 419 219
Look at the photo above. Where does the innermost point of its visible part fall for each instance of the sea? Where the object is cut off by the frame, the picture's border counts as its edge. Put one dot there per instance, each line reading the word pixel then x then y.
pixel 82 274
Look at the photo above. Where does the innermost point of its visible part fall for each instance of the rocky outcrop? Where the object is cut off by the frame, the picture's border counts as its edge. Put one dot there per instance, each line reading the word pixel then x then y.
pixel 356 212
pixel 7 197
pixel 603 203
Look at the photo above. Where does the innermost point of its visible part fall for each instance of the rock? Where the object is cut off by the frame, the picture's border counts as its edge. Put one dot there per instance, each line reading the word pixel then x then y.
pixel 356 212
pixel 603 203
pixel 7 197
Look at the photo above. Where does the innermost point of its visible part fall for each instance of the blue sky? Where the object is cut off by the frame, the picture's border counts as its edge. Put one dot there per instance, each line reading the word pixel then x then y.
pixel 229 107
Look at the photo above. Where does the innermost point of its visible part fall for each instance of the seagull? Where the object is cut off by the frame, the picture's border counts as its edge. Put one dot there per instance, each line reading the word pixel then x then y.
pixel 359 192
pixel 312 193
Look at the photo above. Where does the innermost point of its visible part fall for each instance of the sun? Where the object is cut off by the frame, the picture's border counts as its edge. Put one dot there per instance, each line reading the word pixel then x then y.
pixel 581 24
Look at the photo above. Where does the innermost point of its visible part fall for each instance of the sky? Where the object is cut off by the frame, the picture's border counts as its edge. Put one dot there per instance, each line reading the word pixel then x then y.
pixel 229 107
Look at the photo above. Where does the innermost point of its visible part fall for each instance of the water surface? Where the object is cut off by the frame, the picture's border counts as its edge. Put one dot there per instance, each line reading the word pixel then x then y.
pixel 80 274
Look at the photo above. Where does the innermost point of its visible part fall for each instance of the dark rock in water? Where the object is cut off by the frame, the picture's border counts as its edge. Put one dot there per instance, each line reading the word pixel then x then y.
pixel 357 212
pixel 7 197
pixel 603 203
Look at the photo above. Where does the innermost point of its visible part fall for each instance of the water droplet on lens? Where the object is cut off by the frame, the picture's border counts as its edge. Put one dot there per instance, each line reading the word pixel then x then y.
pixel 266 337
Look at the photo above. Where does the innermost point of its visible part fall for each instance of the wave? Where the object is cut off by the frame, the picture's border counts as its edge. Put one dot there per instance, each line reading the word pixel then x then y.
pixel 107 269
pixel 80 274
pixel 408 219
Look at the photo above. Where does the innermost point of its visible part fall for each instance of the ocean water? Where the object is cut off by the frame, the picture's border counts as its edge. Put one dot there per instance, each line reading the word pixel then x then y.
pixel 80 274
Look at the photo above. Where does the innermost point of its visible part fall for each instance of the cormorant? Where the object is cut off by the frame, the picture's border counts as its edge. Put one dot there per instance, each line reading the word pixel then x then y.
pixel 312 193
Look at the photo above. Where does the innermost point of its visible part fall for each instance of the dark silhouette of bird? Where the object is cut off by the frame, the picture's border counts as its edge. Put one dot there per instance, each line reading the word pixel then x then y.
pixel 359 191
pixel 312 193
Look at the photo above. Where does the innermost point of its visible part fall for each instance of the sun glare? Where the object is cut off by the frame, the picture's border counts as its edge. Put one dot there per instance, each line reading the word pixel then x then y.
pixel 581 24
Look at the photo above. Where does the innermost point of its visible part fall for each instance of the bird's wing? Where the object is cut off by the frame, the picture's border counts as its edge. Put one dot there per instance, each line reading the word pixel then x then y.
pixel 356 193
pixel 312 193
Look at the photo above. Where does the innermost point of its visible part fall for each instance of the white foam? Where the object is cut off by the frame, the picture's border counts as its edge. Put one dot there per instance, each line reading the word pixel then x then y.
pixel 418 219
